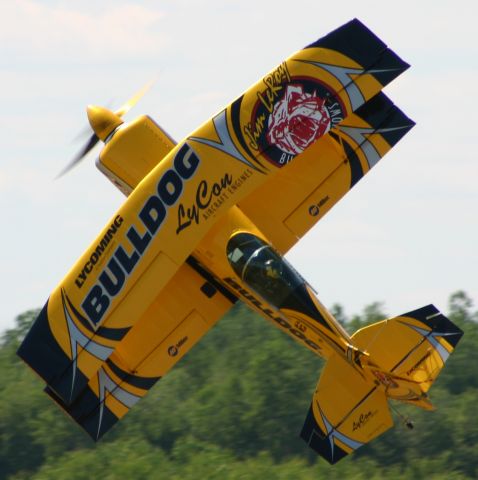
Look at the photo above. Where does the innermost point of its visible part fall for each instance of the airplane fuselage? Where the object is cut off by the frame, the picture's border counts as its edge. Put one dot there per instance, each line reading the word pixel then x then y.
pixel 277 291
pixel 301 315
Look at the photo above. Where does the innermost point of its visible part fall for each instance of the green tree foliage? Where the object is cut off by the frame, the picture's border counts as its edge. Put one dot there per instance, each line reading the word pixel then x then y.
pixel 233 409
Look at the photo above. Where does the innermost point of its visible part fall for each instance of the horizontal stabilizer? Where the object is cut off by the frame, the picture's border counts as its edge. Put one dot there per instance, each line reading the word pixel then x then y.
pixel 347 412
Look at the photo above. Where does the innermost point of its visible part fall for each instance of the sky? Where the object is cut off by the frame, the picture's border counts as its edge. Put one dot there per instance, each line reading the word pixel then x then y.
pixel 406 235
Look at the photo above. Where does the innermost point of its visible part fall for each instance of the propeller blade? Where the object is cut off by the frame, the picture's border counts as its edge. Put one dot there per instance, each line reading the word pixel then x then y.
pixel 92 141
pixel 86 131
pixel 125 108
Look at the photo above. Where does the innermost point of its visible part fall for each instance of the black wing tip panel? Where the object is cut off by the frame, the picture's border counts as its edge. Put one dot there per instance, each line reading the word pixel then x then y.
pixel 422 313
pixel 388 67
pixel 41 351
pixel 431 316
pixel 385 117
pixel 95 419
pixel 70 384
pixel 379 108
pixel 353 39
pixel 319 441
pixel 360 44
pixel 91 412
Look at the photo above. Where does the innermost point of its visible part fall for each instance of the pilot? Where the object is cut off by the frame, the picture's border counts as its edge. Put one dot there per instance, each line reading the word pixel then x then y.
pixel 271 284
pixel 272 268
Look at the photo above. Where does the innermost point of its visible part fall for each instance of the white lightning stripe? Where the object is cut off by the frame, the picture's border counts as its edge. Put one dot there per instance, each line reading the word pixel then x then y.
pixel 430 336
pixel 332 433
pixel 225 144
pixel 345 76
pixel 79 338
pixel 106 383
pixel 359 135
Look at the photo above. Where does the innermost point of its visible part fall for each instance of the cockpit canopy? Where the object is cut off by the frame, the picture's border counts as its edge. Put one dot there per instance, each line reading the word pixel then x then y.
pixel 261 268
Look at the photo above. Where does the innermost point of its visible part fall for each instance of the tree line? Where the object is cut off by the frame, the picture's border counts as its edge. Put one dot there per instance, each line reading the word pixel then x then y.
pixel 233 409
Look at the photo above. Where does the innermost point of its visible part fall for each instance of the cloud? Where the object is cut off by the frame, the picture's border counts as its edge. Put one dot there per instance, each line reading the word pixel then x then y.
pixel 29 28
pixel 385 240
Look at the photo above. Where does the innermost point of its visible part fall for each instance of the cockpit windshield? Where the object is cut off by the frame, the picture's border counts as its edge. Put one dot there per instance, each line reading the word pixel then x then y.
pixel 259 266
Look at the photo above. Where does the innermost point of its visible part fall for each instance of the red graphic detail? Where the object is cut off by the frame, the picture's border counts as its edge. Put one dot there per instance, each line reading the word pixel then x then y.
pixel 297 120
pixel 385 379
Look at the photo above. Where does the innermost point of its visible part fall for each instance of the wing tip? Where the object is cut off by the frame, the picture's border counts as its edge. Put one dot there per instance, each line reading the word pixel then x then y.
pixel 40 350
pixel 355 40
pixel 385 117
pixel 94 417
pixel 352 30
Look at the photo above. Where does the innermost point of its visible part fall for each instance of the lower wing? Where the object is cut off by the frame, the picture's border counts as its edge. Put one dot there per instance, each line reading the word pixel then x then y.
pixel 300 194
pixel 190 304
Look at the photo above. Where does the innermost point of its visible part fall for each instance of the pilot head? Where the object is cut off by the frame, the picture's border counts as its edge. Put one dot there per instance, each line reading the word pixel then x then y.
pixel 271 269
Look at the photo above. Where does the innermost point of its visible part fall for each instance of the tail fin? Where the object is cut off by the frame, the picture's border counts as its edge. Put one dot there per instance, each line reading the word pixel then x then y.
pixel 403 356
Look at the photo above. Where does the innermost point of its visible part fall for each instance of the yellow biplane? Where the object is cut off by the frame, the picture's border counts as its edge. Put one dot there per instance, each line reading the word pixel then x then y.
pixel 206 223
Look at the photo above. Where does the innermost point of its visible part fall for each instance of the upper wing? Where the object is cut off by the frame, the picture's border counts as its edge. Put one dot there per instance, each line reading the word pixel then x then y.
pixel 115 281
pixel 292 202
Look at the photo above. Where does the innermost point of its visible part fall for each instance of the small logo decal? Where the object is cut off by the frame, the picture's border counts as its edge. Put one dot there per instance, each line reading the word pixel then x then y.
pixel 363 419
pixel 173 350
pixel 314 209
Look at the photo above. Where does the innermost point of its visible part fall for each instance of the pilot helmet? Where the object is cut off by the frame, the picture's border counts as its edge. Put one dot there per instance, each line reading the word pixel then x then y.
pixel 272 269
